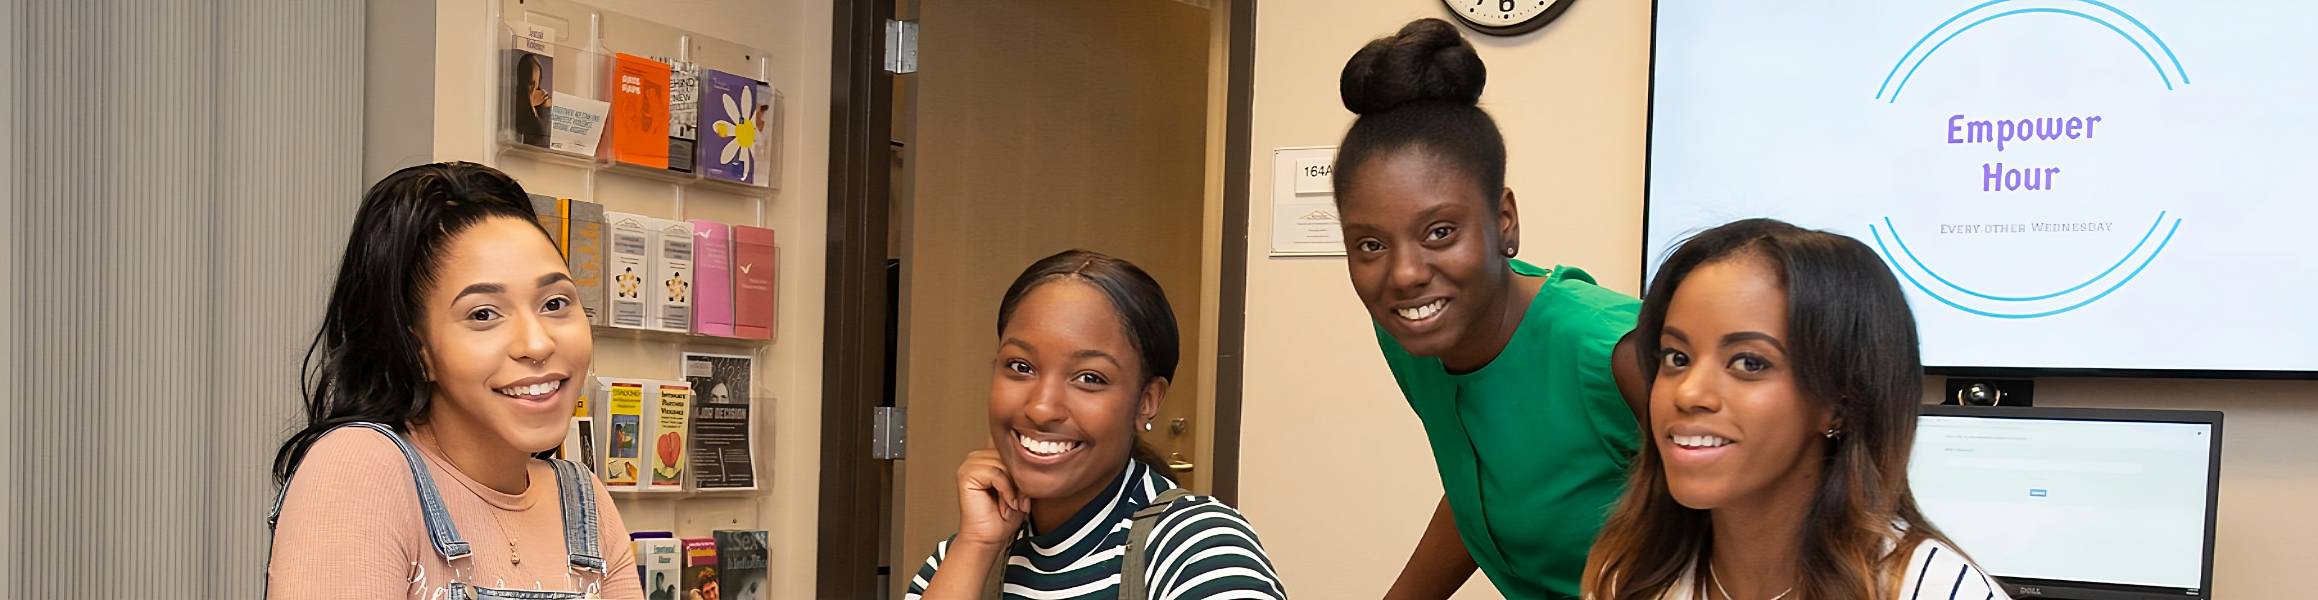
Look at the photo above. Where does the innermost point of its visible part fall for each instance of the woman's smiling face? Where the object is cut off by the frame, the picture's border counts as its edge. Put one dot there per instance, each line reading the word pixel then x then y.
pixel 1426 253
pixel 1725 411
pixel 1066 392
pixel 504 337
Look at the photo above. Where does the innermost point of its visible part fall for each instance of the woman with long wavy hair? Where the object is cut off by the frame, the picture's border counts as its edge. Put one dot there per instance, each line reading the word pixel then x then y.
pixel 451 352
pixel 1784 378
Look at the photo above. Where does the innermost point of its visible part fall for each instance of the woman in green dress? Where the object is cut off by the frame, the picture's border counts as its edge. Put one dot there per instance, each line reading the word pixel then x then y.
pixel 1512 368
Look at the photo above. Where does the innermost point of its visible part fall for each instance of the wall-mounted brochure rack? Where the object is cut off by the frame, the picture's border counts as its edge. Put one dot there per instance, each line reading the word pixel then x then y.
pixel 614 118
pixel 599 90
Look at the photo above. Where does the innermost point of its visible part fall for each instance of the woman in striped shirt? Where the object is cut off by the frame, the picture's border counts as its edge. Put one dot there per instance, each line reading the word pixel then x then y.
pixel 1784 384
pixel 1086 347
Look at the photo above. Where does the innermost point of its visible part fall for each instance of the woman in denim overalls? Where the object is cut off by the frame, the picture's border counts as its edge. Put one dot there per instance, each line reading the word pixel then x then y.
pixel 446 369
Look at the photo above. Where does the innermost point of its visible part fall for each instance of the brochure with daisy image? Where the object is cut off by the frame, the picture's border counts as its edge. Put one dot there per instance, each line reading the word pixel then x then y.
pixel 735 113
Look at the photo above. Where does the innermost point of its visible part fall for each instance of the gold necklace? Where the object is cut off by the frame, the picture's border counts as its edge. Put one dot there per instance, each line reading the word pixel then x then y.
pixel 1726 593
pixel 514 557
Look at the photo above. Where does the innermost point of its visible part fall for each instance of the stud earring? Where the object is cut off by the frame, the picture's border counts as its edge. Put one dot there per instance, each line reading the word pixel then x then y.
pixel 1509 251
pixel 1146 425
pixel 1831 433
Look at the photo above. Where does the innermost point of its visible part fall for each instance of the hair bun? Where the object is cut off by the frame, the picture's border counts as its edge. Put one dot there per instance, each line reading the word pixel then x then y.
pixel 1426 60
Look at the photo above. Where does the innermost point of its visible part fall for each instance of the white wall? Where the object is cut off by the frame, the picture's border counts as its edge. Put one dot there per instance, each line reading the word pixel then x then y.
pixel 797 32
pixel 1321 410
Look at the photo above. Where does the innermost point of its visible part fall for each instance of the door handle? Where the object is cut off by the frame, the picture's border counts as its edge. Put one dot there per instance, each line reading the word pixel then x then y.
pixel 1175 461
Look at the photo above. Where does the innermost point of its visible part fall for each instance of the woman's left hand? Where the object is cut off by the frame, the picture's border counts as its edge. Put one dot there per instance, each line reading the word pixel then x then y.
pixel 990 510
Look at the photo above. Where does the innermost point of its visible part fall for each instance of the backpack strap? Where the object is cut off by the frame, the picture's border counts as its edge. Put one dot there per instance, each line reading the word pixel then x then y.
pixel 994 584
pixel 1131 569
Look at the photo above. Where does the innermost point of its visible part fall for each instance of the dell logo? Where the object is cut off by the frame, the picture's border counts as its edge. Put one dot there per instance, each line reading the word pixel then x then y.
pixel 2028 590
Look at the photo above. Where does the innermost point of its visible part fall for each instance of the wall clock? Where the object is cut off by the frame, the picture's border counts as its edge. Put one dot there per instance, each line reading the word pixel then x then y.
pixel 1507 17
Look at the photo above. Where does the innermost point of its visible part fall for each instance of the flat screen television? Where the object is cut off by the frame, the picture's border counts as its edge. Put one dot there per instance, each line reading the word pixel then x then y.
pixel 2063 187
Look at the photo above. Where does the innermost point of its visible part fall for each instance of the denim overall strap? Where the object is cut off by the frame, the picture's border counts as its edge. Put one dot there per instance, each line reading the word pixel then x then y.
pixel 440 531
pixel 581 539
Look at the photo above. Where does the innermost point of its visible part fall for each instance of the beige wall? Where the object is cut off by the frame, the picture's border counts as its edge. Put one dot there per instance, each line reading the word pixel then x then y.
pixel 797 32
pixel 1321 409
pixel 1042 126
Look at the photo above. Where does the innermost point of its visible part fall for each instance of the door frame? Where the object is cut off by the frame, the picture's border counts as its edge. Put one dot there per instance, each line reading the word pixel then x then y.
pixel 853 335
pixel 852 494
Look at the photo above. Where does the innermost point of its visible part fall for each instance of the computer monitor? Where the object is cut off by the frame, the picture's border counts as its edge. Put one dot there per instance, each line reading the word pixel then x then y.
pixel 2088 504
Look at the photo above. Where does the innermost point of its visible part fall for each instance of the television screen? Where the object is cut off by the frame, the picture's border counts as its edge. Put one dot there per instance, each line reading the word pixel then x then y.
pixel 2059 185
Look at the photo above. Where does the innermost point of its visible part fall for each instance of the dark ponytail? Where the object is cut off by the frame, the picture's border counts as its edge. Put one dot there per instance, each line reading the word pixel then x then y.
pixel 1137 299
pixel 1420 89
pixel 364 364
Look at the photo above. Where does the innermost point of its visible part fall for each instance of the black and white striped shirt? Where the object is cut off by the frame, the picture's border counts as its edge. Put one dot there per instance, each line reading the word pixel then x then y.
pixel 1934 572
pixel 1199 549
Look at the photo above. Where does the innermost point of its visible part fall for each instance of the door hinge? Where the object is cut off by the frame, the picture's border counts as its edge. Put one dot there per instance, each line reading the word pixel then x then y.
pixel 901 47
pixel 888 434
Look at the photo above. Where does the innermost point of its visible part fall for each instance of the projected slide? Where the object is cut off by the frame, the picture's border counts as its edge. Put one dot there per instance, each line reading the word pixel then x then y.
pixel 2086 184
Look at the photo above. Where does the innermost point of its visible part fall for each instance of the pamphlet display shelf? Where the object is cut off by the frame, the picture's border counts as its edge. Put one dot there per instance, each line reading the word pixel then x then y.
pixel 559 99
pixel 607 332
pixel 572 54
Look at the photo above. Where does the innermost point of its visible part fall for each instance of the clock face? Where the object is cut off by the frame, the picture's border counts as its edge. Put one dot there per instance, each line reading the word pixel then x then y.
pixel 1507 17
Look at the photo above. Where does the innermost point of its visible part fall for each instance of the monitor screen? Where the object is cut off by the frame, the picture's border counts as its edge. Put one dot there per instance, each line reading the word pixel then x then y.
pixel 2113 187
pixel 2070 497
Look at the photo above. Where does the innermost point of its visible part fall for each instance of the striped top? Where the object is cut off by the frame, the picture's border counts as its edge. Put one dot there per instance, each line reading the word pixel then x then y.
pixel 1938 571
pixel 1935 572
pixel 1199 549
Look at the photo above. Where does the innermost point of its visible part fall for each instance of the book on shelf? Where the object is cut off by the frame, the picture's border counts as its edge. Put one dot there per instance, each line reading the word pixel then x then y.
pixel 584 255
pixel 753 270
pixel 741 555
pixel 659 564
pixel 671 415
pixel 544 208
pixel 712 276
pixel 577 124
pixel 579 440
pixel 628 270
pixel 623 410
pixel 735 113
pixel 683 113
pixel 639 127
pixel 700 568
pixel 673 280
pixel 530 92
pixel 723 450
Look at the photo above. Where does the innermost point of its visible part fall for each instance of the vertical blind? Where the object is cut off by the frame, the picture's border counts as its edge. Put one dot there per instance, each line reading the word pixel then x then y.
pixel 183 175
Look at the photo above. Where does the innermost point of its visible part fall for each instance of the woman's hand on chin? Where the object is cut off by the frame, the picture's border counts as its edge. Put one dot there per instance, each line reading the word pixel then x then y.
pixel 990 510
